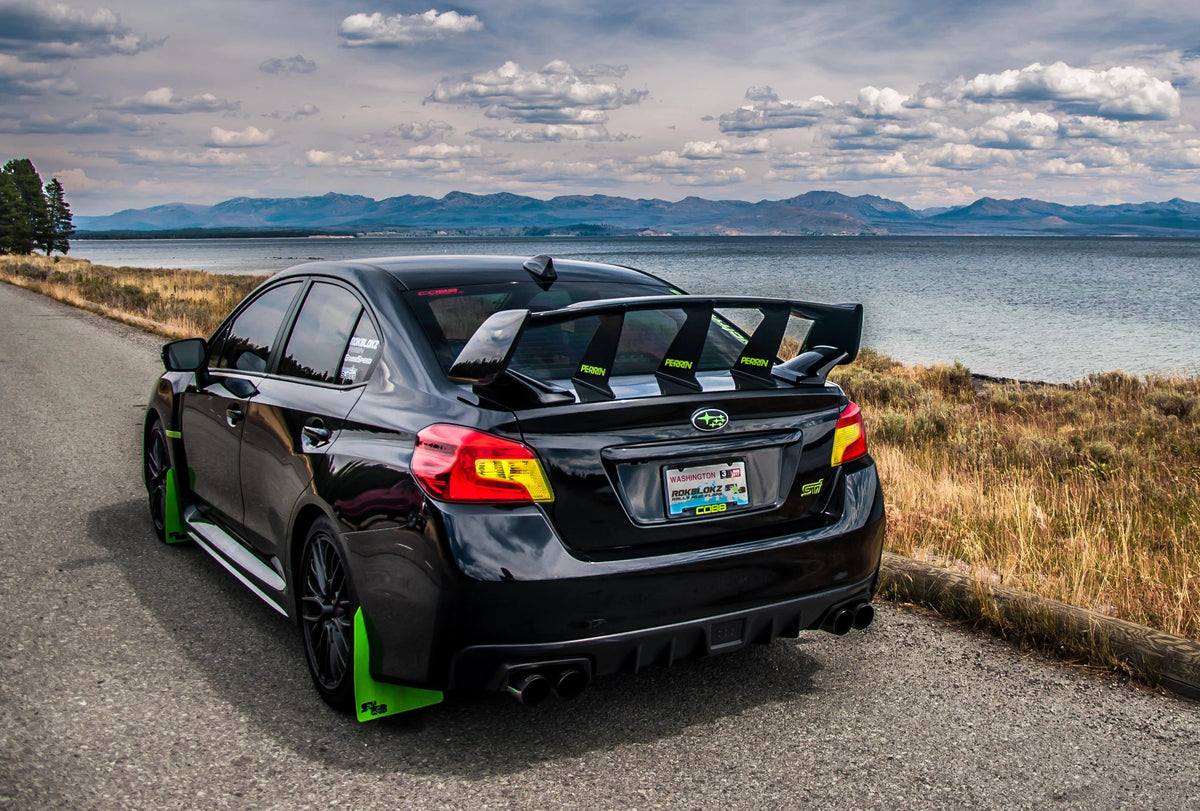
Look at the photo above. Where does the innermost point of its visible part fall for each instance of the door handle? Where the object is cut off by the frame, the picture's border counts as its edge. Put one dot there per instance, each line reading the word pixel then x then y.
pixel 316 432
pixel 234 415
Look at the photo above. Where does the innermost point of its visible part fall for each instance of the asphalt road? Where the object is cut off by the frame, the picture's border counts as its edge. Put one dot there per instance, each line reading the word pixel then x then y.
pixel 133 674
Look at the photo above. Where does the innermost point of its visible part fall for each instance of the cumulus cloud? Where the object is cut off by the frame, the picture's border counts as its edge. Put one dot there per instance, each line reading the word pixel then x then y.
pixel 77 180
pixel 441 160
pixel 1115 132
pixel 175 157
pixel 555 94
pixel 419 130
pixel 766 111
pixel 688 168
pixel 1017 130
pixel 1043 120
pixel 1185 156
pixel 19 78
pixel 711 150
pixel 377 31
pixel 876 103
pixel 965 157
pixel 791 160
pixel 898 164
pixel 1120 92
pixel 602 71
pixel 292 64
pixel 295 114
pixel 550 133
pixel 40 31
pixel 885 134
pixel 720 177
pixel 444 151
pixel 318 157
pixel 165 100
pixel 251 136
pixel 93 123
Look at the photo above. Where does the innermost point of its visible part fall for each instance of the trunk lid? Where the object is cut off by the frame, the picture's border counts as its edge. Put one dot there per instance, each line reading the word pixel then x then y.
pixel 609 462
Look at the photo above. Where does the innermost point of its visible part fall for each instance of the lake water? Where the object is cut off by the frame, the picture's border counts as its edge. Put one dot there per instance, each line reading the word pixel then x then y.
pixel 1051 309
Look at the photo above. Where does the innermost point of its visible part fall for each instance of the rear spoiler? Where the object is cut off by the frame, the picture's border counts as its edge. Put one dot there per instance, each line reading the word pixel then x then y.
pixel 832 339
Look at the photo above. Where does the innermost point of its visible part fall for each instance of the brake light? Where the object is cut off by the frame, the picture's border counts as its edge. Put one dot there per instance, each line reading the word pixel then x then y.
pixel 849 438
pixel 453 463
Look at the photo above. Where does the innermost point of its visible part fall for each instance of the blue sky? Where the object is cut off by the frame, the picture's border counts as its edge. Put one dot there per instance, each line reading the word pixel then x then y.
pixel 134 103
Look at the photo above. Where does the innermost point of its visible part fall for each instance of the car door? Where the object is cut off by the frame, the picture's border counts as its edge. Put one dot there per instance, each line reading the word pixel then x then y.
pixel 297 412
pixel 213 414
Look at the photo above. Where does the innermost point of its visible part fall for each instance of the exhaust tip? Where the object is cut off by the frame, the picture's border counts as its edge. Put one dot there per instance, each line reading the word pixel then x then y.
pixel 864 615
pixel 839 623
pixel 530 689
pixel 571 683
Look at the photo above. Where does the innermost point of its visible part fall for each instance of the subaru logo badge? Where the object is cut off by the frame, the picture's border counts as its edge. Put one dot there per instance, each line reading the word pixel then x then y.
pixel 709 419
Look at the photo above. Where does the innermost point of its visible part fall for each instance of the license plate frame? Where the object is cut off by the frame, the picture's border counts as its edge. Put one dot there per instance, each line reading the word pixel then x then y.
pixel 705 490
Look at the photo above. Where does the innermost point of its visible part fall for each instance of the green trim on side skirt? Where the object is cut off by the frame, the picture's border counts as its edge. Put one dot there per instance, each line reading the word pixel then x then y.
pixel 175 532
pixel 373 699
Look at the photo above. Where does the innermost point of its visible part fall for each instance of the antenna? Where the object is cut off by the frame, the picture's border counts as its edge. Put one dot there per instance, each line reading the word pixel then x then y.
pixel 542 267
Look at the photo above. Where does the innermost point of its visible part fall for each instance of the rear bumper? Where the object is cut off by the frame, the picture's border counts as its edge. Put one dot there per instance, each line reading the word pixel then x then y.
pixel 483 667
pixel 482 588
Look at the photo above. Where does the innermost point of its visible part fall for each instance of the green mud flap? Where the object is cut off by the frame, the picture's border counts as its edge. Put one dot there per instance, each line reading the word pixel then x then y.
pixel 175 532
pixel 374 699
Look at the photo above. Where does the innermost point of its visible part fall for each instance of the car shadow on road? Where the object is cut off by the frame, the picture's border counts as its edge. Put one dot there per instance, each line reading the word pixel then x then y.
pixel 252 657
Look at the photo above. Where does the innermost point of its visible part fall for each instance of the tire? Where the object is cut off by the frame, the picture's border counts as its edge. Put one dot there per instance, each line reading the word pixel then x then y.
pixel 156 462
pixel 327 608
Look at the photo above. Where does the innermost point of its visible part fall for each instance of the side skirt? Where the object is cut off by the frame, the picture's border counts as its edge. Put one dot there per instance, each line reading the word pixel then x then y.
pixel 225 550
pixel 375 699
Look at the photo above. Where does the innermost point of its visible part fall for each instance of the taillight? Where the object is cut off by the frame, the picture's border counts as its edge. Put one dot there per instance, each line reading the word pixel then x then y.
pixel 849 439
pixel 454 463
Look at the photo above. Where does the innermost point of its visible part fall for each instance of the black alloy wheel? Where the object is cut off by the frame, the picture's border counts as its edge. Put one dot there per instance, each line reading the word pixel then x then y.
pixel 327 608
pixel 155 465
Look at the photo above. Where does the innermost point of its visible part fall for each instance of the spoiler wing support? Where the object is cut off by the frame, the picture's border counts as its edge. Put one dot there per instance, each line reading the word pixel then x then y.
pixel 834 336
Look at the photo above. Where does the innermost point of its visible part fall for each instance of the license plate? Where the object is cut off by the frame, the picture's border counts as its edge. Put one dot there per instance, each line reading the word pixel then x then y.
pixel 710 489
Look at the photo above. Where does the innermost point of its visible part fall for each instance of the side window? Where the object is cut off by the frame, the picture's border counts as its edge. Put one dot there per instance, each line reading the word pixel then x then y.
pixel 248 343
pixel 317 348
pixel 361 353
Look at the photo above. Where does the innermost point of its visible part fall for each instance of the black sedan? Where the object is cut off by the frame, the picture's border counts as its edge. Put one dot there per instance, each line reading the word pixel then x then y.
pixel 510 474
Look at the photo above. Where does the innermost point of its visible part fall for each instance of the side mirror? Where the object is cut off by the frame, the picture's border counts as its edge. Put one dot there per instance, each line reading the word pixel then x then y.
pixel 188 355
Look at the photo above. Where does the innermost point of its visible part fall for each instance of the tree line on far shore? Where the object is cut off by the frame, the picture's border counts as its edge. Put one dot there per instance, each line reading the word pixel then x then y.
pixel 32 216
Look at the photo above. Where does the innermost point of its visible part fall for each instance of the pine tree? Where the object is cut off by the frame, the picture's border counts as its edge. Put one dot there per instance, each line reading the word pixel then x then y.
pixel 14 221
pixel 29 186
pixel 59 213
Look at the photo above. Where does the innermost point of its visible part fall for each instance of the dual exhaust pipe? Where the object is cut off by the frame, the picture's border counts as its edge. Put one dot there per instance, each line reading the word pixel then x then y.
pixel 532 687
pixel 855 617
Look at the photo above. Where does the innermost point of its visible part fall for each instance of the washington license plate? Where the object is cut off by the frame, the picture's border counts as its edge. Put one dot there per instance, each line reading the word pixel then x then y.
pixel 710 489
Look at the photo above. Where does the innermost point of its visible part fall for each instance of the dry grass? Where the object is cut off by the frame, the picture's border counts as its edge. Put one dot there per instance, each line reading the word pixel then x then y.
pixel 173 303
pixel 1088 493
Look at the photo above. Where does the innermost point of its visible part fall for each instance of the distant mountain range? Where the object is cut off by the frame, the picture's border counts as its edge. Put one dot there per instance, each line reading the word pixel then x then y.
pixel 814 213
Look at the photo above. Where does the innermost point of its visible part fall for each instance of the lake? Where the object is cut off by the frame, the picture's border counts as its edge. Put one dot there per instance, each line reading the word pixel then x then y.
pixel 1033 308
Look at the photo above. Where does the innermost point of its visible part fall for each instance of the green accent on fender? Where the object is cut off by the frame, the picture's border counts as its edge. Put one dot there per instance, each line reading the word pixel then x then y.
pixel 174 434
pixel 374 699
pixel 174 532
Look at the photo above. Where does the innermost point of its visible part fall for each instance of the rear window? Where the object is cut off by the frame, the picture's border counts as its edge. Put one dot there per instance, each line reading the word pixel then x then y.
pixel 451 316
